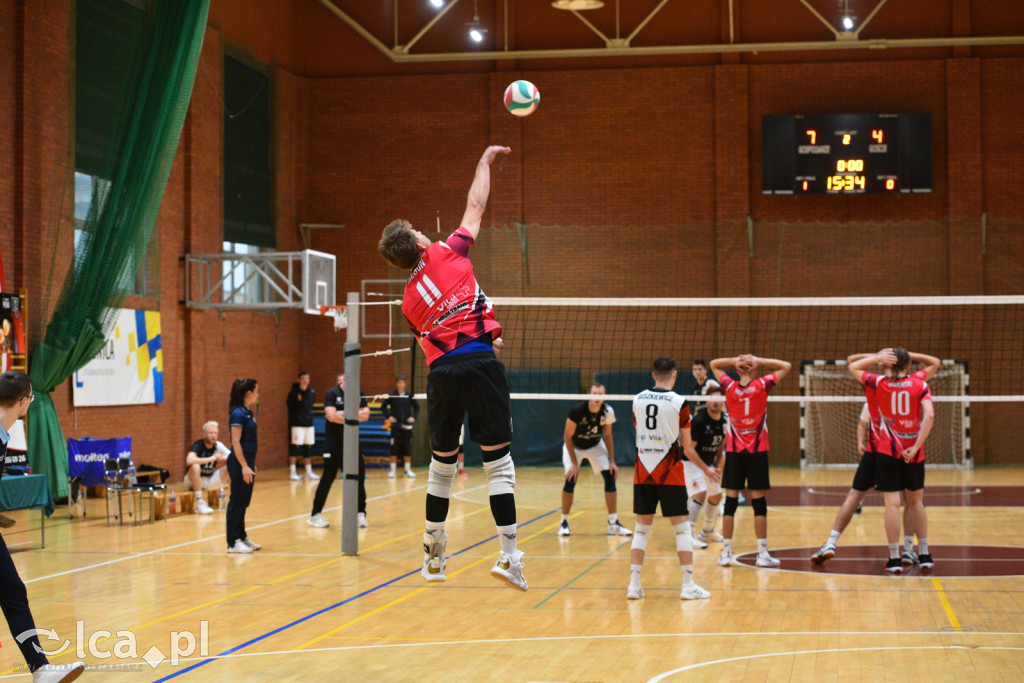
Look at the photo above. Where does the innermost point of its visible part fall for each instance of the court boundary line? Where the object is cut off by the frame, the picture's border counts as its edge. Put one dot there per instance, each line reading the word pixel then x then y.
pixel 324 610
pixel 662 676
pixel 204 539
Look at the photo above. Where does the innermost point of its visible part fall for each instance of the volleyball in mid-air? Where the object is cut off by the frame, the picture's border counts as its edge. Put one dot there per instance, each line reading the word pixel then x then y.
pixel 522 98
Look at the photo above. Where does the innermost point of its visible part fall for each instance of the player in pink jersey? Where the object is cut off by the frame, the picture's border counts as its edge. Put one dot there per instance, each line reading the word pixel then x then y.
pixel 746 446
pixel 864 479
pixel 455 324
pixel 905 419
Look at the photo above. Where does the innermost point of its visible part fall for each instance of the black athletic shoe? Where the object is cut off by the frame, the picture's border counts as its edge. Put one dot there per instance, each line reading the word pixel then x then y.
pixel 894 566
pixel 926 561
pixel 860 508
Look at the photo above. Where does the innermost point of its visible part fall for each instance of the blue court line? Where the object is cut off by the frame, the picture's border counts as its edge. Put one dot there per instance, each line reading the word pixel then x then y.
pixel 329 608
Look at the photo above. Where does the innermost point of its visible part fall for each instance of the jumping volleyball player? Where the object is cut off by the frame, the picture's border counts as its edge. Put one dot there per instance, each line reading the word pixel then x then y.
pixel 455 324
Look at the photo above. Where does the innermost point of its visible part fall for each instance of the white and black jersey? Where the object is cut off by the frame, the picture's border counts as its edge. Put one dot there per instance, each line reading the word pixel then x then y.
pixel 590 426
pixel 659 415
pixel 708 434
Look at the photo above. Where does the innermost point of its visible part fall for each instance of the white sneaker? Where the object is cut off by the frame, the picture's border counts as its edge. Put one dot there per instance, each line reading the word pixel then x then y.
pixel 825 553
pixel 296 476
pixel 58 673
pixel 509 568
pixel 318 521
pixel 727 559
pixel 312 476
pixel 616 529
pixel 433 557
pixel 697 543
pixel 391 474
pixel 361 521
pixel 252 544
pixel 635 591
pixel 767 560
pixel 239 547
pixel 694 592
pixel 409 474
pixel 202 508
pixel 563 529
pixel 710 536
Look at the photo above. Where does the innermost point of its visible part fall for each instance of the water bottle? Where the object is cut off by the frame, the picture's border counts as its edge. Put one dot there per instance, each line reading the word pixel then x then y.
pixel 223 499
pixel 172 504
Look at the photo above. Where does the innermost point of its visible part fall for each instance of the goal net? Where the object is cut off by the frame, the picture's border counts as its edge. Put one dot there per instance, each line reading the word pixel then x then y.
pixel 828 428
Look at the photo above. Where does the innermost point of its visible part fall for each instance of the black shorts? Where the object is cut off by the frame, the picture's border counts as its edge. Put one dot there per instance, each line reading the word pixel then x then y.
pixel 646 498
pixel 896 474
pixel 401 441
pixel 745 470
pixel 866 475
pixel 471 383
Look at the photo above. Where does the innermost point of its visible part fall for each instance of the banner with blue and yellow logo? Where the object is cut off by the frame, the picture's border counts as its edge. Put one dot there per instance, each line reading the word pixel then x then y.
pixel 129 370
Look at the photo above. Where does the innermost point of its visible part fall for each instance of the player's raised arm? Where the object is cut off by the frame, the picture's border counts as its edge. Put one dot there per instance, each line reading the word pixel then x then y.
pixel 883 357
pixel 779 367
pixel 719 365
pixel 480 190
pixel 931 363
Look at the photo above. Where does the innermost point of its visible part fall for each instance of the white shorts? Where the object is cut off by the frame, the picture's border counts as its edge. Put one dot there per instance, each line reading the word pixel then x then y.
pixel 303 436
pixel 696 482
pixel 217 480
pixel 597 456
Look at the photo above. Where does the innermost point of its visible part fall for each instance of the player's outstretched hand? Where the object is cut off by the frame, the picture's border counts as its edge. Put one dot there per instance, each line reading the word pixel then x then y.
pixel 493 151
pixel 570 474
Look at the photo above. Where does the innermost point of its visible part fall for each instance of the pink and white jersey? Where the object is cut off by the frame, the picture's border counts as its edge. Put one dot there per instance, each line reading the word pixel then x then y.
pixel 443 303
pixel 899 407
pixel 876 419
pixel 748 413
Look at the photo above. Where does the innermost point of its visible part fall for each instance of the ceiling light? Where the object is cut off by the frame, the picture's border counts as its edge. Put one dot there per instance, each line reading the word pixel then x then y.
pixel 577 5
pixel 437 3
pixel 848 23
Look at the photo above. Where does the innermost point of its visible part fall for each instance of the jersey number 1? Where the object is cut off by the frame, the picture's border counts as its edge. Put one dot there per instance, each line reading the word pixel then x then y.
pixel 652 416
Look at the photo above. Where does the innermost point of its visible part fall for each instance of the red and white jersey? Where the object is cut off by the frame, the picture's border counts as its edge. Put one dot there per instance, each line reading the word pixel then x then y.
pixel 659 416
pixel 876 420
pixel 899 409
pixel 443 302
pixel 748 413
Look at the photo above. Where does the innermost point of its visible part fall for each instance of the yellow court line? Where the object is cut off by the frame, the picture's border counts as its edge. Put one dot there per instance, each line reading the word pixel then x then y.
pixel 68 653
pixel 417 591
pixel 950 614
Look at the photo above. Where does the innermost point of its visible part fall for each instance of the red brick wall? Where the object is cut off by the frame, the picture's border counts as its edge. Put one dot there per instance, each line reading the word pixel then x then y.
pixel 610 153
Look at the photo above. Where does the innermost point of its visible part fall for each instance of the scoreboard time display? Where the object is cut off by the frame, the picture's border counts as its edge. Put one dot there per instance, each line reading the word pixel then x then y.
pixel 846 154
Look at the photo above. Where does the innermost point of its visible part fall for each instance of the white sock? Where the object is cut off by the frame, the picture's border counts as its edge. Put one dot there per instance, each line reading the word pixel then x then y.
pixel 507 538
pixel 922 546
pixel 293 468
pixel 309 468
pixel 762 546
pixel 687 574
pixel 634 573
pixel 435 529
pixel 408 467
pixel 710 515
pixel 393 467
pixel 833 537
pixel 908 544
pixel 727 545
pixel 565 518
pixel 613 517
pixel 693 507
pixel 894 551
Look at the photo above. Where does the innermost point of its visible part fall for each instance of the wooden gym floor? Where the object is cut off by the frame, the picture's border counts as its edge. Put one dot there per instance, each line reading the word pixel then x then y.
pixel 297 610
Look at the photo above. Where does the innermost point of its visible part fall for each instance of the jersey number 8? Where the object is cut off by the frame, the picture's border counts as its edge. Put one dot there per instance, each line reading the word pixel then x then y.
pixel 652 416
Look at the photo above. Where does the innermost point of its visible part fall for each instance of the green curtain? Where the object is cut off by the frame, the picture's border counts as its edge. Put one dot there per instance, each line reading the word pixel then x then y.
pixel 115 233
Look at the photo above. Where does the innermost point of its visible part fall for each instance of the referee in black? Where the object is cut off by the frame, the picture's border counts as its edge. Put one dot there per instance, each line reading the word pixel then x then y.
pixel 15 397
pixel 334 413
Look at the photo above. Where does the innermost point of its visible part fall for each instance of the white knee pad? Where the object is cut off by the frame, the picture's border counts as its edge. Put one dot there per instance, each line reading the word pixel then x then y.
pixel 501 476
pixel 684 539
pixel 640 536
pixel 440 478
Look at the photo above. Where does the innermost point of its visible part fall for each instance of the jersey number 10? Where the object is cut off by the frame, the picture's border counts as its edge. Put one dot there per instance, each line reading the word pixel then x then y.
pixel 901 403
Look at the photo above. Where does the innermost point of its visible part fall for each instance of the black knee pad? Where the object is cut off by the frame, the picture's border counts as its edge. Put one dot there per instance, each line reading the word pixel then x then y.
pixel 730 506
pixel 491 456
pixel 446 459
pixel 760 506
pixel 569 486
pixel 609 481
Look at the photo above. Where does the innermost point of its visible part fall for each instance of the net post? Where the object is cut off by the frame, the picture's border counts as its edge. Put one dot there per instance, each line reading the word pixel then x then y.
pixel 350 459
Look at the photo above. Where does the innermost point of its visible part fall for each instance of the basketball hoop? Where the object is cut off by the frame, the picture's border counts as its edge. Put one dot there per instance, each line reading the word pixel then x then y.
pixel 339 313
